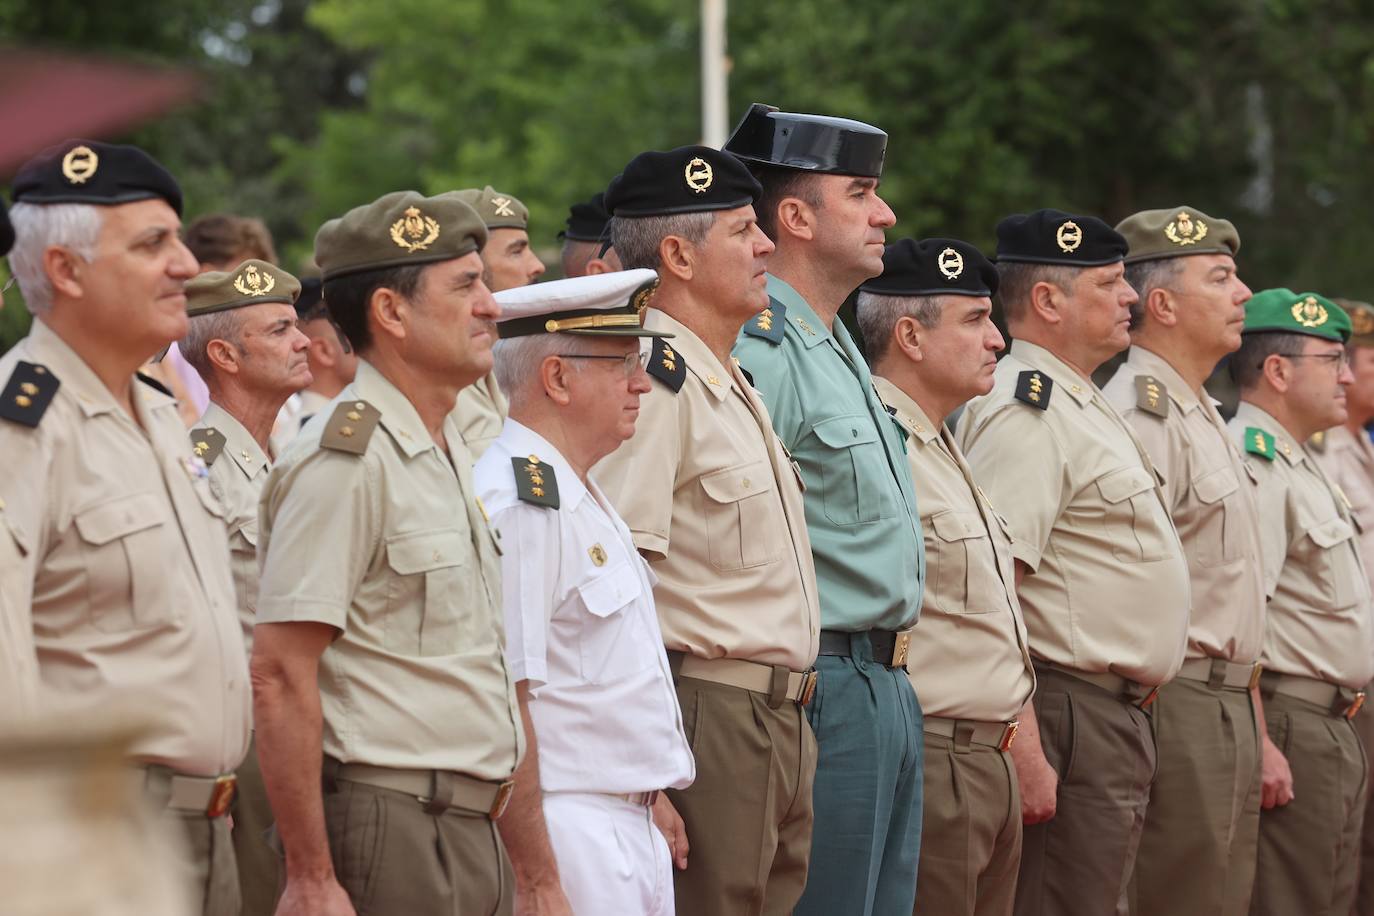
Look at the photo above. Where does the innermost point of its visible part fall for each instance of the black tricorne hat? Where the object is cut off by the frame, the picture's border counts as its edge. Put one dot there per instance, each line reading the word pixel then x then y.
pixel 933 267
pixel 813 143
pixel 689 179
pixel 91 172
pixel 1056 237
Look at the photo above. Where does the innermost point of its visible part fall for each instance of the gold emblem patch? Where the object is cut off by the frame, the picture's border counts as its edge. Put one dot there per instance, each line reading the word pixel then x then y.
pixel 502 205
pixel 951 263
pixel 80 164
pixel 598 554
pixel 669 358
pixel 1361 321
pixel 642 298
pixel 766 320
pixel 699 175
pixel 1185 230
pixel 253 282
pixel 1309 312
pixel 414 231
pixel 1069 237
pixel 536 476
pixel 1036 385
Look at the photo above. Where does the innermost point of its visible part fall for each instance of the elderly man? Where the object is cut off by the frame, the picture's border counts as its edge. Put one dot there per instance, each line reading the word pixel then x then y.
pixel 1101 574
pixel 930 338
pixel 331 359
pixel 587 246
pixel 603 729
pixel 1319 636
pixel 123 543
pixel 377 655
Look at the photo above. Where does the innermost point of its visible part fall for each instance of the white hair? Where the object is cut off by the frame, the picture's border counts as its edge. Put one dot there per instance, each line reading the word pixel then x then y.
pixel 222 325
pixel 38 227
pixel 518 360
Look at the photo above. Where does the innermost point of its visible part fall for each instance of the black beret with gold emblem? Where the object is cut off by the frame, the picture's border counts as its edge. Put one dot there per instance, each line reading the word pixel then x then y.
pixel 811 143
pixel 587 221
pixel 398 229
pixel 689 179
pixel 253 282
pixel 1361 316
pixel 498 210
pixel 933 267
pixel 91 172
pixel 1176 232
pixel 1056 237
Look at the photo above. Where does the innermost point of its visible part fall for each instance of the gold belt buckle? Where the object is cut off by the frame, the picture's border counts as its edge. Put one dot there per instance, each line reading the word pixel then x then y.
pixel 222 795
pixel 1355 705
pixel 899 649
pixel 808 687
pixel 1009 735
pixel 1255 673
pixel 503 794
pixel 1149 698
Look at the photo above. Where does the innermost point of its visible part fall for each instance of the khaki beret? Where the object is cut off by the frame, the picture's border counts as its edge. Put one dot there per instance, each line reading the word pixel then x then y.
pixel 498 211
pixel 398 229
pixel 1361 321
pixel 253 282
pixel 1175 232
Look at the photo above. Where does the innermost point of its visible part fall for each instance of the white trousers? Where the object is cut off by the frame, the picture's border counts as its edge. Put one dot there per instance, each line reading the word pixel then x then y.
pixel 612 860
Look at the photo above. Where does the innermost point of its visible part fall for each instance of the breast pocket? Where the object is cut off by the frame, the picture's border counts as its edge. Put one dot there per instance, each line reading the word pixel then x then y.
pixel 1333 563
pixel 1219 540
pixel 614 640
pixel 432 598
pixel 1132 516
pixel 740 528
pixel 125 563
pixel 959 558
pixel 852 470
pixel 243 553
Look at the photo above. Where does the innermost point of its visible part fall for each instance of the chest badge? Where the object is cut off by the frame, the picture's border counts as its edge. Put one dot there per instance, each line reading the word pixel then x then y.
pixel 598 554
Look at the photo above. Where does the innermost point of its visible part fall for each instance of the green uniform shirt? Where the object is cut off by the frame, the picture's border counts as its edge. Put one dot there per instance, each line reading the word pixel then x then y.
pixel 860 504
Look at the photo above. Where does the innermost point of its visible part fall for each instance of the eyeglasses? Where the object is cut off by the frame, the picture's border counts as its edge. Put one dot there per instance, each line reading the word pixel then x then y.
pixel 1340 360
pixel 631 362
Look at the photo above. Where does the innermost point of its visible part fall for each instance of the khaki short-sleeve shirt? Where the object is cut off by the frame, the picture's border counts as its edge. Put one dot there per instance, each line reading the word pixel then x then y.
pixel 1211 496
pixel 392 548
pixel 712 499
pixel 1108 586
pixel 1348 460
pixel 969 658
pixel 481 409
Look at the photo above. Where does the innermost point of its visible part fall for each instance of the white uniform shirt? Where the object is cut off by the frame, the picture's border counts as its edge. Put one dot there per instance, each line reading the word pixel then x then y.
pixel 582 629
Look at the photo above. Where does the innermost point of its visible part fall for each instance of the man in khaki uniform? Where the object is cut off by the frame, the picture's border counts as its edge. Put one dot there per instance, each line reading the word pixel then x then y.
pixel 242 339
pixel 713 502
pixel 927 323
pixel 1319 635
pixel 1101 574
pixel 1197 855
pixel 377 655
pixel 123 543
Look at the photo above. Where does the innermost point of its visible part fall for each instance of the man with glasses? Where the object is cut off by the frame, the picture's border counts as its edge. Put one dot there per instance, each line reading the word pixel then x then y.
pixel 1319 637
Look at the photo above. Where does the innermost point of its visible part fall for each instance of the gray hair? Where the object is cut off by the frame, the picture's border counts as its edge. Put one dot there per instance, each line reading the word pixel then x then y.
pixel 1147 276
pixel 1016 279
pixel 226 325
pixel 38 227
pixel 518 360
pixel 636 238
pixel 878 316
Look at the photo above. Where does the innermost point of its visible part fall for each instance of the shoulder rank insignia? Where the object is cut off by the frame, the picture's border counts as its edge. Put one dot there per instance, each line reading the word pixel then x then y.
pixel 1258 442
pixel 207 442
pixel 350 427
pixel 1151 396
pixel 155 384
pixel 768 323
pixel 27 395
pixel 1033 388
pixel 535 481
pixel 667 365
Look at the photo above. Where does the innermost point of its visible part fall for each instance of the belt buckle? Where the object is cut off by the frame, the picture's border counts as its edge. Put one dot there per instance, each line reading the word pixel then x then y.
pixel 899 649
pixel 222 795
pixel 1009 735
pixel 1149 698
pixel 503 796
pixel 1255 673
pixel 808 686
pixel 1355 705
pixel 651 798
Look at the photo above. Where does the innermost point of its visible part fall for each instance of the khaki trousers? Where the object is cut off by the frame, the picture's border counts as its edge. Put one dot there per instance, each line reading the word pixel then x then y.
pixel 1197 855
pixel 259 865
pixel 205 866
pixel 1079 862
pixel 392 858
pixel 1364 897
pixel 1309 848
pixel 748 815
pixel 970 831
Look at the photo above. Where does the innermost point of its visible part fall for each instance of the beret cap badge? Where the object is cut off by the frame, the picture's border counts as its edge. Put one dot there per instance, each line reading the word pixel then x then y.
pixel 1069 236
pixel 1361 321
pixel 501 206
pixel 1309 312
pixel 1185 230
pixel 698 175
pixel 252 282
pixel 951 263
pixel 80 164
pixel 414 231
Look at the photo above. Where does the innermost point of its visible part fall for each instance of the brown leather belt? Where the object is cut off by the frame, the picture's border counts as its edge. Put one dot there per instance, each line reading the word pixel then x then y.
pixel 1219 674
pixel 963 732
pixel 437 790
pixel 1343 702
pixel 889 647
pixel 208 795
pixel 777 682
pixel 1132 692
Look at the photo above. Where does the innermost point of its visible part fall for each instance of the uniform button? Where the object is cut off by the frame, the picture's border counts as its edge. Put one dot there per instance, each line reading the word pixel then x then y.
pixel 746 483
pixel 855 432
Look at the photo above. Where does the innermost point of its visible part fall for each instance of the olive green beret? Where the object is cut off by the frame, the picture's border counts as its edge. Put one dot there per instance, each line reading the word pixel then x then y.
pixel 1361 316
pixel 397 229
pixel 1177 231
pixel 251 283
pixel 498 211
pixel 1296 313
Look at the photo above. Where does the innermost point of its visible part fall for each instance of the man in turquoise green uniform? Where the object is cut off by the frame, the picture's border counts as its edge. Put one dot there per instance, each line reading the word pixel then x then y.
pixel 821 207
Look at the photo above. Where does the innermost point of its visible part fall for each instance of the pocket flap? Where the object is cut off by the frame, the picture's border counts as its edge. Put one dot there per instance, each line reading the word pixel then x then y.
pixel 733 484
pixel 957 526
pixel 249 533
pixel 843 432
pixel 611 590
pixel 416 553
pixel 118 518
pixel 1215 485
pixel 1330 533
pixel 1119 486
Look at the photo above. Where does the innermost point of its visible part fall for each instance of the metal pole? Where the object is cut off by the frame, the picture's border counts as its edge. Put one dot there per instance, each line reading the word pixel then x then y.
pixel 713 73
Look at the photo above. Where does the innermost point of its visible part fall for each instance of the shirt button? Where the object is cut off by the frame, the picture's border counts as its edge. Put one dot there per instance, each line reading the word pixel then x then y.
pixel 855 432
pixel 746 483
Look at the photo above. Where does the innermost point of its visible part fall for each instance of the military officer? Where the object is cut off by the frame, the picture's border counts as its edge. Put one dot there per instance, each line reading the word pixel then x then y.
pixel 715 506
pixel 1319 636
pixel 1197 854
pixel 331 359
pixel 932 344
pixel 377 655
pixel 820 205
pixel 1100 571
pixel 123 543
pixel 603 727
pixel 586 242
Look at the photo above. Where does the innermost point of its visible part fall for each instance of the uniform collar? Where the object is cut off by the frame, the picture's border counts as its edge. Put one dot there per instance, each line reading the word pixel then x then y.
pixel 810 329
pixel 701 362
pixel 238 444
pixel 522 442
pixel 1066 378
pixel 1251 415
pixel 46 348
pixel 399 417
pixel 907 411
pixel 1148 362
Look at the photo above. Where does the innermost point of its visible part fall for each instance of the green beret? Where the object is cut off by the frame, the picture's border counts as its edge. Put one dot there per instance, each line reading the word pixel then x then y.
pixel 1176 231
pixel 251 283
pixel 1296 313
pixel 498 211
pixel 397 229
pixel 1361 316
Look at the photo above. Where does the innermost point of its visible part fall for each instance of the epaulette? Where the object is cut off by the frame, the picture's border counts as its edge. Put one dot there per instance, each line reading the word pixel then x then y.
pixel 667 366
pixel 1258 442
pixel 207 442
pixel 1151 396
pixel 535 481
pixel 1318 442
pixel 28 393
pixel 1034 389
pixel 154 383
pixel 768 324
pixel 350 427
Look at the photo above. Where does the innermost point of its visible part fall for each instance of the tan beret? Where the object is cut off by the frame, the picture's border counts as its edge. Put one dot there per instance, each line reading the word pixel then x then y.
pixel 498 210
pixel 251 283
pixel 1175 232
pixel 398 229
pixel 1361 321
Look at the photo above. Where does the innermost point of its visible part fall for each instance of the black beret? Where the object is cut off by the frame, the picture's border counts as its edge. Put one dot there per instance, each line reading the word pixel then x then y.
pixel 1056 237
pixel 91 172
pixel 587 220
pixel 933 267
pixel 6 231
pixel 312 292
pixel 689 179
pixel 814 143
